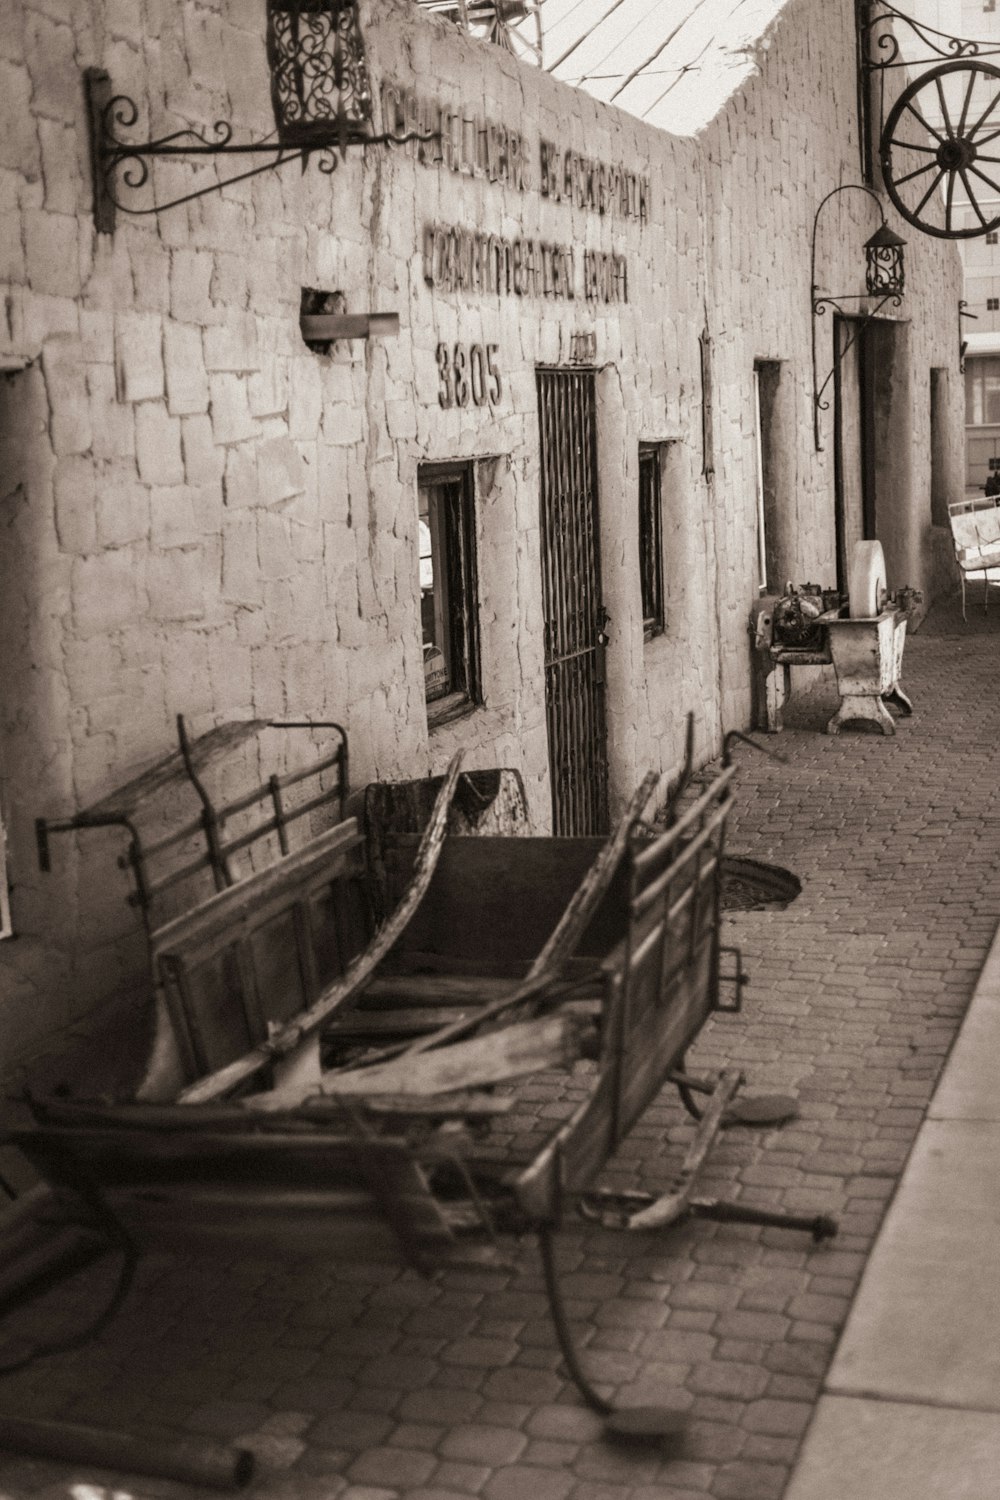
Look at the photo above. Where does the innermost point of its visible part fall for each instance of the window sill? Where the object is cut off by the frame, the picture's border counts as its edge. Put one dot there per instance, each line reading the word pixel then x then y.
pixel 446 710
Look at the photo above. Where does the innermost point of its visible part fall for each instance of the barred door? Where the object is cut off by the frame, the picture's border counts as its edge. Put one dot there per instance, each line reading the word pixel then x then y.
pixel 571 599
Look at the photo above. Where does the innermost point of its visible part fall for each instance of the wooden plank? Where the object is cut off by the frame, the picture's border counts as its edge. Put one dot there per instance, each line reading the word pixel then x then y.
pixel 236 911
pixel 412 960
pixel 571 1158
pixel 510 1052
pixel 678 869
pixel 402 1020
pixel 357 1231
pixel 423 989
pixel 496 899
pixel 669 1207
pixel 650 860
pixel 565 938
pixel 589 894
pixel 463 1103
pixel 288 1037
pixel 485 802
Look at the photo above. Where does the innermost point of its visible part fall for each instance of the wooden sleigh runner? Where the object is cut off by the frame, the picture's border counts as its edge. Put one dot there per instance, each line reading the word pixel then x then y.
pixel 342 1031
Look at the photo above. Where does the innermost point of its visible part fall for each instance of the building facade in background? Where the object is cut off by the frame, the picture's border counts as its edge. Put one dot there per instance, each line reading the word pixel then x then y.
pixel 530 524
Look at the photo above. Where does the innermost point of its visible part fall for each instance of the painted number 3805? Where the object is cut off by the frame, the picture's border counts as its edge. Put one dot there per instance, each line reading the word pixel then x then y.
pixel 468 372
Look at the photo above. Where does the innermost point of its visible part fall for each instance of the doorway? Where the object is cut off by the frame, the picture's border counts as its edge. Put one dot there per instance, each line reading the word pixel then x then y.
pixel 855 378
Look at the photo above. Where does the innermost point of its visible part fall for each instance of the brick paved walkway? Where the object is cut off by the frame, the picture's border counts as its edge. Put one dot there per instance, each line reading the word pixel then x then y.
pixel 366 1383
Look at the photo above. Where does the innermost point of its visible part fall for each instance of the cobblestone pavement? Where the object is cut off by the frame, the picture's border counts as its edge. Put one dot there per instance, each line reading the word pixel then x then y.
pixel 364 1382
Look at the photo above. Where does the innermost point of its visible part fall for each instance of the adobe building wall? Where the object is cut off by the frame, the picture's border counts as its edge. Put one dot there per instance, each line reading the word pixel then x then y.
pixel 767 172
pixel 202 515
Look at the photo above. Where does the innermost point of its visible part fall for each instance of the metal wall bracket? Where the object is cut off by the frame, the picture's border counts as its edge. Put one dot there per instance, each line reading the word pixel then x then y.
pixel 821 301
pixel 122 167
pixel 942 128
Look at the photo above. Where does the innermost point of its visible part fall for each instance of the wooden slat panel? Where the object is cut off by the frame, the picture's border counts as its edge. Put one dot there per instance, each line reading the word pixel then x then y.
pixel 277 970
pixel 509 1052
pixel 498 900
pixel 400 1021
pixel 400 990
pixel 241 908
pixel 332 1223
pixel 650 860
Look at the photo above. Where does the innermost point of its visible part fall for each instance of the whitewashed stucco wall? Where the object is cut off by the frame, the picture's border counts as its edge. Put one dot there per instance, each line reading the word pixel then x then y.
pixel 199 514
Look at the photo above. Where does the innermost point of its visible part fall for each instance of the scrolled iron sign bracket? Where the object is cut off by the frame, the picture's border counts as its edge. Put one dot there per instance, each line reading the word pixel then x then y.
pixel 939 144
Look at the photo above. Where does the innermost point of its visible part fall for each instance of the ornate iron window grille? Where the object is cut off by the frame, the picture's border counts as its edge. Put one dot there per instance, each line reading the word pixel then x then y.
pixel 320 92
pixel 884 278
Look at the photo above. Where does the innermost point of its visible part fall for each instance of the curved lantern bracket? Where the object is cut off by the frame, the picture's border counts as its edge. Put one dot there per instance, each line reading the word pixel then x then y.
pixel 884 279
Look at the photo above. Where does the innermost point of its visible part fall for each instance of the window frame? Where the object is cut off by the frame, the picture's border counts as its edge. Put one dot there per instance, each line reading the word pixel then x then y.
pixel 650 525
pixel 451 518
pixel 982 390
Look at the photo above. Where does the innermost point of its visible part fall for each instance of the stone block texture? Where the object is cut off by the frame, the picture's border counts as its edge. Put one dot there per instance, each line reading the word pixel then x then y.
pixel 227 520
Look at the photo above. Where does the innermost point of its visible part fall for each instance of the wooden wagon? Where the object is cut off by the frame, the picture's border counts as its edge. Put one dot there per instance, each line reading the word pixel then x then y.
pixel 342 1032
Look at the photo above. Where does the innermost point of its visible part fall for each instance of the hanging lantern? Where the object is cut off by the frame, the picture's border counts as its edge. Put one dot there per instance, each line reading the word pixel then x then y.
pixel 884 258
pixel 320 89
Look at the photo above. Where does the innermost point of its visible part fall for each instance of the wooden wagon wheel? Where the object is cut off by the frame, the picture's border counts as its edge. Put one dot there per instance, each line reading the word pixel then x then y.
pixel 935 141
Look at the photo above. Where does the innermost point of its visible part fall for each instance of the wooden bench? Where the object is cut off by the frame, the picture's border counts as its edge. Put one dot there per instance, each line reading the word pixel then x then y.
pixel 975 533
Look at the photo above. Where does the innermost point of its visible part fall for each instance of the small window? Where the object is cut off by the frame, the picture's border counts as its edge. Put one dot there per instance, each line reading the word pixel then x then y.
pixel 993 304
pixel 448 603
pixel 982 392
pixel 989 5
pixel 991 238
pixel 651 541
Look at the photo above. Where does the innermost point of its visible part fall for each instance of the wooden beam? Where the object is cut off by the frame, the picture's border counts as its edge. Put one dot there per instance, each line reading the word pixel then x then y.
pixel 189 1460
pixel 510 1052
pixel 295 1032
pixel 565 936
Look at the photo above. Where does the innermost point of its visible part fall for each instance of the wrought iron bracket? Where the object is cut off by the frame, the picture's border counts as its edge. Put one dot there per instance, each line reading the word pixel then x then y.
pixel 962 342
pixel 821 301
pixel 937 137
pixel 880 47
pixel 121 167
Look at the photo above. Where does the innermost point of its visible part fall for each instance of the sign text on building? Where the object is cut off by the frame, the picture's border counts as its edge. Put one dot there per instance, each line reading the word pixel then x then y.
pixel 474 146
pixel 463 260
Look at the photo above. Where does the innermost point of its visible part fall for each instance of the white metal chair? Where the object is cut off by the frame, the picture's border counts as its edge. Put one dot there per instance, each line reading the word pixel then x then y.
pixel 975 533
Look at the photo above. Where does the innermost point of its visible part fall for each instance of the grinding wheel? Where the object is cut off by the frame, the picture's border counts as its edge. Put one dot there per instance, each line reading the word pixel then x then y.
pixel 866 587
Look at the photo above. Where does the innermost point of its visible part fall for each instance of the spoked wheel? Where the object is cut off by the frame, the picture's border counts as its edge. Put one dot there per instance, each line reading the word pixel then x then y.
pixel 940 150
